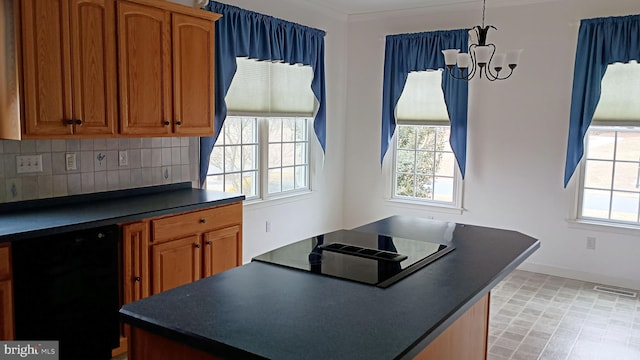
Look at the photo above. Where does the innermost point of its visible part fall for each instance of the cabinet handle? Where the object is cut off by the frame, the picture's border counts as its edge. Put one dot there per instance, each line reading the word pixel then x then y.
pixel 178 122
pixel 69 122
pixel 137 279
pixel 79 122
pixel 209 243
pixel 166 123
pixel 197 246
pixel 203 221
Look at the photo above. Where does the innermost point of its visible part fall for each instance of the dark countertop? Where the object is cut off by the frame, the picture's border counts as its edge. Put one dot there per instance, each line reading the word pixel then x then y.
pixel 38 218
pixel 264 310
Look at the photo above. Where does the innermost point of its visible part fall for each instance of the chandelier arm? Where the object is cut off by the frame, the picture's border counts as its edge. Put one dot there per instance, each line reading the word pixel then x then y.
pixel 474 66
pixel 488 72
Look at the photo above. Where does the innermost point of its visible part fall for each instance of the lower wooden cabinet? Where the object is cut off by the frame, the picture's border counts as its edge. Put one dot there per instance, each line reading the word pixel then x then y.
pixel 222 250
pixel 165 252
pixel 6 293
pixel 162 253
pixel 176 263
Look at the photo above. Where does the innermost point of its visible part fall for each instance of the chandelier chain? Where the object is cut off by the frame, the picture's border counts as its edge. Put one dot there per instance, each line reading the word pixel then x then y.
pixel 484 5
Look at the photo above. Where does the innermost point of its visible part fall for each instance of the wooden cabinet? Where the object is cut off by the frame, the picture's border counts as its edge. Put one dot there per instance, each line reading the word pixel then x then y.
pixel 103 68
pixel 69 68
pixel 196 244
pixel 176 263
pixel 165 252
pixel 136 280
pixel 222 250
pixel 166 71
pixel 6 293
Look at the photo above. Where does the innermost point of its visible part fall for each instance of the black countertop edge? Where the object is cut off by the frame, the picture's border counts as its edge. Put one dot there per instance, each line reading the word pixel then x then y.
pixel 421 344
pixel 82 198
pixel 195 341
pixel 114 220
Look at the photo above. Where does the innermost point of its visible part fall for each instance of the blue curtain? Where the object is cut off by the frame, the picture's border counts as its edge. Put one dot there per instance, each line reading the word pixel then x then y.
pixel 243 33
pixel 419 52
pixel 601 41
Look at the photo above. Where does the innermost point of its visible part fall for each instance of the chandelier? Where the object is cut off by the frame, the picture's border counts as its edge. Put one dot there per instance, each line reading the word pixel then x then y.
pixel 482 57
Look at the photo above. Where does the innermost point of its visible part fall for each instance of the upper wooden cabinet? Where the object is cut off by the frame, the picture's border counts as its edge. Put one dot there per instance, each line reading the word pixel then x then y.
pixel 69 71
pixel 166 71
pixel 102 68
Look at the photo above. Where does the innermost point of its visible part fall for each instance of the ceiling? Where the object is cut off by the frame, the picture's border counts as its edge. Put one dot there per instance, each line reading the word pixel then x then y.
pixel 355 7
pixel 359 7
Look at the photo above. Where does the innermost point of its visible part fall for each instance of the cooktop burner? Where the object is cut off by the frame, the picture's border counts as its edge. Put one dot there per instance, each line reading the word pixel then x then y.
pixel 373 259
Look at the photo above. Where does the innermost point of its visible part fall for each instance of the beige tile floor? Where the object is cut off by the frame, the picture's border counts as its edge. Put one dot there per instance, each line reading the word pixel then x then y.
pixel 542 317
pixel 535 316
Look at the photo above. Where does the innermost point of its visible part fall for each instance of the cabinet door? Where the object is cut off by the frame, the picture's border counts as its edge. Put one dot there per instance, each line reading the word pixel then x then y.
pixel 93 55
pixel 6 309
pixel 136 280
pixel 222 250
pixel 46 67
pixel 144 46
pixel 176 263
pixel 6 294
pixel 192 75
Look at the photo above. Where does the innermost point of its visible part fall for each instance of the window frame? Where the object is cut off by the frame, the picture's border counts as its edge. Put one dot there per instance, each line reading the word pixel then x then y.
pixel 611 126
pixel 262 158
pixel 455 206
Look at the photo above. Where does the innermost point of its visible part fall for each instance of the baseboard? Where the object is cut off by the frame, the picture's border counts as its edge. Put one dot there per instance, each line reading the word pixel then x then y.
pixel 581 275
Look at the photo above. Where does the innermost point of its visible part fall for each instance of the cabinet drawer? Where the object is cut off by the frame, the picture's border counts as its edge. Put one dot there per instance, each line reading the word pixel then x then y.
pixel 196 222
pixel 5 264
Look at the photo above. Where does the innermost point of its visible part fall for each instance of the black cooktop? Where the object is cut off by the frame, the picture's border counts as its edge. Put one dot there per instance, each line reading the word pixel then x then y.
pixel 373 259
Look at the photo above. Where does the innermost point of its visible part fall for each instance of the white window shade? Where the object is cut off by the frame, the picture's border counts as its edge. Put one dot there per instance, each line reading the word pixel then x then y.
pixel 620 99
pixel 267 88
pixel 422 99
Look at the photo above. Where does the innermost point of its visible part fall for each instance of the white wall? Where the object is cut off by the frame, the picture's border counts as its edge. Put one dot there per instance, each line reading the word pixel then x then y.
pixel 321 210
pixel 516 136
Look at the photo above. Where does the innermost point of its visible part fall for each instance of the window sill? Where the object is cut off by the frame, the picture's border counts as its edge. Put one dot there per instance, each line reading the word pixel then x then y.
pixel 435 207
pixel 594 225
pixel 279 200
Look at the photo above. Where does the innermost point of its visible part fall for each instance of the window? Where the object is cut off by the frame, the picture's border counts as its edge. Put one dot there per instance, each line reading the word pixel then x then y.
pixel 263 148
pixel 424 166
pixel 610 181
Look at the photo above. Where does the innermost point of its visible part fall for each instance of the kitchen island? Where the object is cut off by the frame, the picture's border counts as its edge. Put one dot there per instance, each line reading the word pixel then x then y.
pixel 267 311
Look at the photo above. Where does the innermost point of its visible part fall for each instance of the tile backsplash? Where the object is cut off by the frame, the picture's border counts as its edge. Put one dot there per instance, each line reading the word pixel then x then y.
pixel 149 161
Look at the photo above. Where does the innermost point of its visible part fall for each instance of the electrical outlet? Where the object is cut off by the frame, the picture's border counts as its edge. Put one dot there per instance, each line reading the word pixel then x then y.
pixel 123 158
pixel 28 164
pixel 591 243
pixel 71 161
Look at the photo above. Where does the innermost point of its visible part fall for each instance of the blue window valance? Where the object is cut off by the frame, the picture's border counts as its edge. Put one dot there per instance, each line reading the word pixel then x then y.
pixel 601 41
pixel 405 53
pixel 244 33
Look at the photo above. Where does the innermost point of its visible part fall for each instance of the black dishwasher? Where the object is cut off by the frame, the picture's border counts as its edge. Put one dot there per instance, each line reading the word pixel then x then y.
pixel 66 289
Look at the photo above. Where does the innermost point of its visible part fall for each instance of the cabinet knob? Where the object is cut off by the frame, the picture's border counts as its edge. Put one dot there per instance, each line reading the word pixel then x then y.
pixel 166 123
pixel 203 221
pixel 69 122
pixel 209 243
pixel 197 246
pixel 137 279
pixel 178 122
pixel 79 122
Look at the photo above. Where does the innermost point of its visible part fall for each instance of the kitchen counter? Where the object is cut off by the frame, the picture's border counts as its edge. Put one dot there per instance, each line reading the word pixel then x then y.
pixel 37 218
pixel 267 311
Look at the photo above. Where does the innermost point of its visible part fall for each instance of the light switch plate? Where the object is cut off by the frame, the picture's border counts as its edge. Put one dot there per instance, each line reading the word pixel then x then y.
pixel 70 161
pixel 28 164
pixel 123 158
